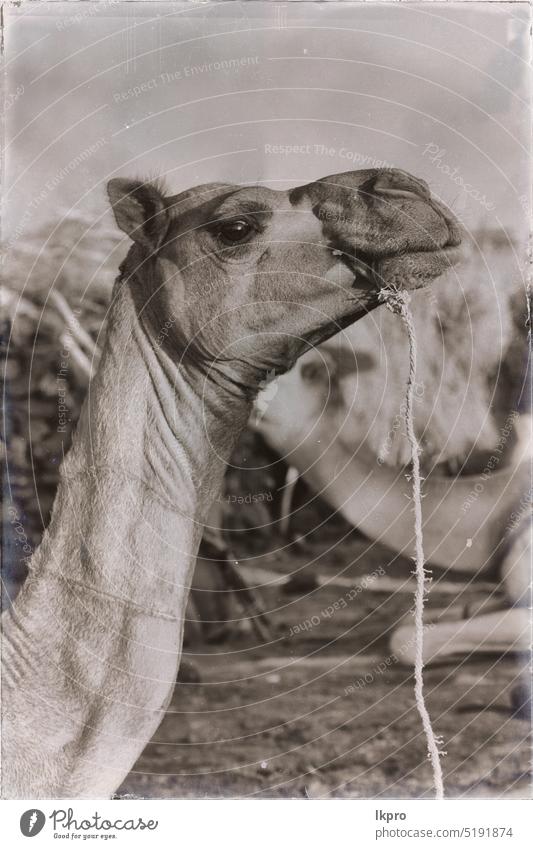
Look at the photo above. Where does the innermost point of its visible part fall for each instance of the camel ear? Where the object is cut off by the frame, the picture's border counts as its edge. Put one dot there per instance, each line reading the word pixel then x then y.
pixel 140 211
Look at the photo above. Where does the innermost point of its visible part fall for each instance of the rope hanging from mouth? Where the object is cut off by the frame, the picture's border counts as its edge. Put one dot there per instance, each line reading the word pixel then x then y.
pixel 399 303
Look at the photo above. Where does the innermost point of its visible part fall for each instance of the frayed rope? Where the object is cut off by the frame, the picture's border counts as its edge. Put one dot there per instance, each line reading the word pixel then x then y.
pixel 399 302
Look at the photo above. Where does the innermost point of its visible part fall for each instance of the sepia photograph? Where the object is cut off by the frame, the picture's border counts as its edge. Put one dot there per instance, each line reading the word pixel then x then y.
pixel 266 341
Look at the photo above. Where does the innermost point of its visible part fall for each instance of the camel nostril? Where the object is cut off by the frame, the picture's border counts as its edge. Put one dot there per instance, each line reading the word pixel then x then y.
pixel 395 184
pixel 296 195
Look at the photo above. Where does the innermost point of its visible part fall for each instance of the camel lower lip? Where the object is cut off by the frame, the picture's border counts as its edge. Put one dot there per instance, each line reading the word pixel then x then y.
pixel 449 255
pixel 367 270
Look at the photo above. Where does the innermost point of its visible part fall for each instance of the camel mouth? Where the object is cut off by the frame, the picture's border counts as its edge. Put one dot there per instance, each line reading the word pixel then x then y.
pixel 370 269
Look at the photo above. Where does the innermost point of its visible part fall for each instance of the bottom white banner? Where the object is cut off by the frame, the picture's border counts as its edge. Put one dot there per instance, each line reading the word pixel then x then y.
pixel 257 824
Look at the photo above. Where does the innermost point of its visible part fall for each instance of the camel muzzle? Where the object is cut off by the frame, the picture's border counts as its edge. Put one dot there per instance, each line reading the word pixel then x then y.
pixel 341 200
pixel 378 218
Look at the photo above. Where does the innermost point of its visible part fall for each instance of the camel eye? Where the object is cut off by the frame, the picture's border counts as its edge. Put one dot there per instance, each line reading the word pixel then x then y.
pixel 235 232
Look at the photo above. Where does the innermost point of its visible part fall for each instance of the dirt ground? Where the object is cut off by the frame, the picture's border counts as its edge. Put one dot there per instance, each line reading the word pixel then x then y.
pixel 322 709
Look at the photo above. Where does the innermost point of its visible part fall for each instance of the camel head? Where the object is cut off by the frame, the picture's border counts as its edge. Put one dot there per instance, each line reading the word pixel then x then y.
pixel 241 281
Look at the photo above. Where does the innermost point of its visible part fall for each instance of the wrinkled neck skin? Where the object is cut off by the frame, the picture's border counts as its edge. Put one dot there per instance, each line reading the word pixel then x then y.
pixel 91 646
pixel 153 434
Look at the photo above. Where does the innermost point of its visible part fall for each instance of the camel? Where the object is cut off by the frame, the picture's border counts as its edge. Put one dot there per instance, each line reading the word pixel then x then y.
pixel 222 284
pixel 473 524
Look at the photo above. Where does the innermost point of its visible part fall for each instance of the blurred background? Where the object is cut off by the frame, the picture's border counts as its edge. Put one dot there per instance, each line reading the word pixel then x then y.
pixel 280 94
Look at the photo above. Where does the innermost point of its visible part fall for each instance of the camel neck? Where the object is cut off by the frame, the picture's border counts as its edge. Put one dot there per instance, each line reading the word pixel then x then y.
pixel 147 460
pixel 91 646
